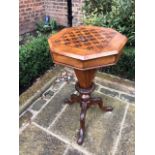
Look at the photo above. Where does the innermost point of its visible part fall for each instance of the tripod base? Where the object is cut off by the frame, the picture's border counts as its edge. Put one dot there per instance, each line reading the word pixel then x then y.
pixel 85 100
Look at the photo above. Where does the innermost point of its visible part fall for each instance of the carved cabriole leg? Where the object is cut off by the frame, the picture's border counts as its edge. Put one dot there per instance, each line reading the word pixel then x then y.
pixel 84 107
pixel 85 87
pixel 98 100
pixel 73 99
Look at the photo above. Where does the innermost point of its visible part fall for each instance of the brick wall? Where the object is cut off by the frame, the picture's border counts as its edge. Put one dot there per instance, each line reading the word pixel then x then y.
pixel 77 12
pixel 57 9
pixel 30 11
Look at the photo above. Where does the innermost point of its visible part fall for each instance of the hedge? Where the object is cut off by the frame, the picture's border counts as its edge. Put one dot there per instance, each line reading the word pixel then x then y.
pixel 34 60
pixel 125 67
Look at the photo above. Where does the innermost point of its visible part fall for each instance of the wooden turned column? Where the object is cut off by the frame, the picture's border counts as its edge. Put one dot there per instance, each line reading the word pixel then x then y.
pixel 85 77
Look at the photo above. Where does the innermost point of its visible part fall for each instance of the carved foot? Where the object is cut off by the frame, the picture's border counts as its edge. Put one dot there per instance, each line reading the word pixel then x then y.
pixel 74 98
pixel 84 106
pixel 99 101
pixel 80 136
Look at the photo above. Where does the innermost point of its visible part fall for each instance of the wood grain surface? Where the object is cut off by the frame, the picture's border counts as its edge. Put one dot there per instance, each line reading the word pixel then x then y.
pixel 86 47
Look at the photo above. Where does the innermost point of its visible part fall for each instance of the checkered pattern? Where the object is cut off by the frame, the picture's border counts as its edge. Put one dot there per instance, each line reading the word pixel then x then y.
pixel 85 38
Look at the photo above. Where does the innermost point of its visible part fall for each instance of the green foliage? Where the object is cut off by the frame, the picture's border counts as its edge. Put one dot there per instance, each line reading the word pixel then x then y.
pixel 120 15
pixel 34 59
pixel 97 7
pixel 117 14
pixel 53 24
pixel 126 65
pixel 40 26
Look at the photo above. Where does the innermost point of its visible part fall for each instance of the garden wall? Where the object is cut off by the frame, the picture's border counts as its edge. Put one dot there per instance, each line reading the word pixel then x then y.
pixel 30 11
pixel 57 9
pixel 77 11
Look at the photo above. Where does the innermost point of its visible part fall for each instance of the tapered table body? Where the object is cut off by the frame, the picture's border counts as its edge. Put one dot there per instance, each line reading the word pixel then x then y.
pixel 86 48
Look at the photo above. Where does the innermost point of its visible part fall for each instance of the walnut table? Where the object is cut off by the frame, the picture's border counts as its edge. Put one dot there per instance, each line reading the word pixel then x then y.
pixel 86 48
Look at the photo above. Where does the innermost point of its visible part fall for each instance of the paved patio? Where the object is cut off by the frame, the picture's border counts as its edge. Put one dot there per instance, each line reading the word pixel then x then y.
pixel 49 127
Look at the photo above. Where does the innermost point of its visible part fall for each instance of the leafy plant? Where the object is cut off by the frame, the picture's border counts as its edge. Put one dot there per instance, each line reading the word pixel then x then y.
pixel 97 7
pixel 117 14
pixel 42 27
pixel 34 59
pixel 53 24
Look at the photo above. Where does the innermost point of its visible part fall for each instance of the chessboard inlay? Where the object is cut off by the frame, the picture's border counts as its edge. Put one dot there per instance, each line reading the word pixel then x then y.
pixel 83 38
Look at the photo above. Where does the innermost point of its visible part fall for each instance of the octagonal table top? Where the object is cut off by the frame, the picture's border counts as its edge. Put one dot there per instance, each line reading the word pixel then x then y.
pixel 84 43
pixel 87 42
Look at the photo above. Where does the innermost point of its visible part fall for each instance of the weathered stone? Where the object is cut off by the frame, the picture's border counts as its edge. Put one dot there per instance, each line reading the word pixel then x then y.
pixel 109 92
pixel 25 118
pixel 34 141
pixel 127 143
pixel 56 86
pixel 127 98
pixel 48 94
pixel 47 115
pixel 64 73
pixel 68 124
pixel 38 104
pixel 96 86
pixel 117 79
pixel 101 128
pixel 73 152
pixel 58 80
pixel 114 82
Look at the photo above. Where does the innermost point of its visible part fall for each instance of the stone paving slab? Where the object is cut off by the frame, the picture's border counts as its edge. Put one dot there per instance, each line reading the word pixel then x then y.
pixel 25 118
pixel 127 141
pixel 48 94
pixel 72 151
pixel 50 128
pixel 47 115
pixel 127 98
pixel 115 82
pixel 34 141
pixel 110 93
pixel 38 104
pixel 102 128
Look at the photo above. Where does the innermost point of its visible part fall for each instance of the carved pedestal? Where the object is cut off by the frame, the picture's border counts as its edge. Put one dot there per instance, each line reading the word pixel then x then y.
pixel 85 87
